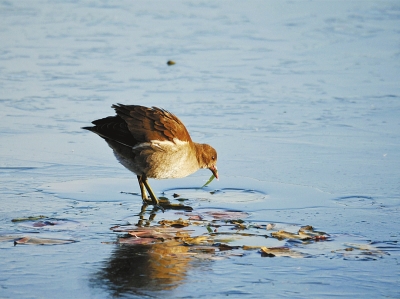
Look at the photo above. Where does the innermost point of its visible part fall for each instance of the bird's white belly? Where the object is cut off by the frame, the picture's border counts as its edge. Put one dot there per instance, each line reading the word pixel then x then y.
pixel 171 160
pixel 161 159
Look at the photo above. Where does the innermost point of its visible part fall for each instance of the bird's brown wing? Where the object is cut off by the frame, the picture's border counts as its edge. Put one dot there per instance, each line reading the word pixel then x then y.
pixel 146 124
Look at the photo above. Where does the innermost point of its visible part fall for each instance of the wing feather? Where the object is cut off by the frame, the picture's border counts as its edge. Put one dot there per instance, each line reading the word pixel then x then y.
pixel 146 124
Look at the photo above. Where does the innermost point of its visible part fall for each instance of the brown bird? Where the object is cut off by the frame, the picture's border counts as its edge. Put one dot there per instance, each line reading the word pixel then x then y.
pixel 153 143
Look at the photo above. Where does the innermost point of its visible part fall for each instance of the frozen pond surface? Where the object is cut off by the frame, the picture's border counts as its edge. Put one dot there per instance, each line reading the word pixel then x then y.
pixel 300 98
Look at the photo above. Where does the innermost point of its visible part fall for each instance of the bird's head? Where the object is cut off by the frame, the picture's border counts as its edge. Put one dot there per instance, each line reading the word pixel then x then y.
pixel 207 157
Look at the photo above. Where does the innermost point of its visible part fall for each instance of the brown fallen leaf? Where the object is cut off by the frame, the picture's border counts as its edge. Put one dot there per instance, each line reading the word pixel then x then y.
pixel 182 234
pixel 128 228
pixel 175 223
pixel 182 199
pixel 203 249
pixel 224 247
pixel 280 235
pixel 137 241
pixel 280 251
pixel 196 217
pixel 163 233
pixel 41 241
pixel 309 231
pixel 246 247
pixel 227 215
pixel 152 234
pixel 196 240
pixel 240 225
pixel 320 238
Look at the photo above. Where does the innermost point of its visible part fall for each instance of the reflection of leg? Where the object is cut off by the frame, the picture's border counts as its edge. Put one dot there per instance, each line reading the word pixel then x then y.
pixel 142 188
pixel 152 216
pixel 143 213
pixel 143 209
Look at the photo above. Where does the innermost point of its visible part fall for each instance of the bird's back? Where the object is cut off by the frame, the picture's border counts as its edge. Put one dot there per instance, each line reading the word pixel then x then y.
pixel 148 141
pixel 136 124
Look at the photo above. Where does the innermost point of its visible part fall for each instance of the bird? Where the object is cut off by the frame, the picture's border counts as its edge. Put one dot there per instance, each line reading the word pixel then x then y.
pixel 153 143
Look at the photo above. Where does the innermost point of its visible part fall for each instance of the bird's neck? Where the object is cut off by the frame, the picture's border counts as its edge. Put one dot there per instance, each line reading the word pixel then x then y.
pixel 199 149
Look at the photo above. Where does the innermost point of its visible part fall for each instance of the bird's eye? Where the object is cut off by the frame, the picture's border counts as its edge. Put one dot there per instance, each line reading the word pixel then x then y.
pixel 213 157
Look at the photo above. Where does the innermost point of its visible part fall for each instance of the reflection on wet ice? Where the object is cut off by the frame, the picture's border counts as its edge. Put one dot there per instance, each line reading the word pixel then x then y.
pixel 141 268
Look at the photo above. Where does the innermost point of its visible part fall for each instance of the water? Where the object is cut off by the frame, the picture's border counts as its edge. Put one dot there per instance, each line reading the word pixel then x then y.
pixel 301 100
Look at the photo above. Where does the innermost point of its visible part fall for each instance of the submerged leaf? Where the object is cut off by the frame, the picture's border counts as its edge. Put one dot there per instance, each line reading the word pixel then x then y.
pixel 167 205
pixel 309 231
pixel 185 238
pixel 43 223
pixel 207 251
pixel 195 217
pixel 137 241
pixel 158 232
pixel 228 215
pixel 280 235
pixel 224 247
pixel 30 218
pixel 155 234
pixel 280 251
pixel 238 224
pixel 175 223
pixel 246 247
pixel 50 223
pixel 196 240
pixel 41 241
pixel 182 199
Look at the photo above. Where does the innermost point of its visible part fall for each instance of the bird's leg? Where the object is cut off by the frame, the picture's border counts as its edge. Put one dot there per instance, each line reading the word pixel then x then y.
pixel 151 193
pixel 142 190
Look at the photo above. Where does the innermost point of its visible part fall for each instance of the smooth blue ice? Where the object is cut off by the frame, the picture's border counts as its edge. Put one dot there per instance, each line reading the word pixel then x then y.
pixel 300 98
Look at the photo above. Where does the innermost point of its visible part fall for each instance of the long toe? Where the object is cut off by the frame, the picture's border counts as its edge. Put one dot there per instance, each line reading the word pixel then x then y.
pixel 158 206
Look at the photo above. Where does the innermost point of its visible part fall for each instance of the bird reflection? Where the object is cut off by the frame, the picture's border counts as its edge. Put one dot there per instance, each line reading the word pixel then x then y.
pixel 144 268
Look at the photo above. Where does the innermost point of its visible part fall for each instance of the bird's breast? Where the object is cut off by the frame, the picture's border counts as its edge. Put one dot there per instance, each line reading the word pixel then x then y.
pixel 167 159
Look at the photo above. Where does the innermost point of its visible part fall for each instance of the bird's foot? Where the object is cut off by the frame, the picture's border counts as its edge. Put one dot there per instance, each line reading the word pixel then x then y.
pixel 156 205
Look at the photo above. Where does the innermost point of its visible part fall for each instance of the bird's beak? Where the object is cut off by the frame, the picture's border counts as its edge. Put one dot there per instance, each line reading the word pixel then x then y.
pixel 214 170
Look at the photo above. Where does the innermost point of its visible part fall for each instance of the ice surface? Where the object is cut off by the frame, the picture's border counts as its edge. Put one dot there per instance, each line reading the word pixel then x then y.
pixel 300 98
